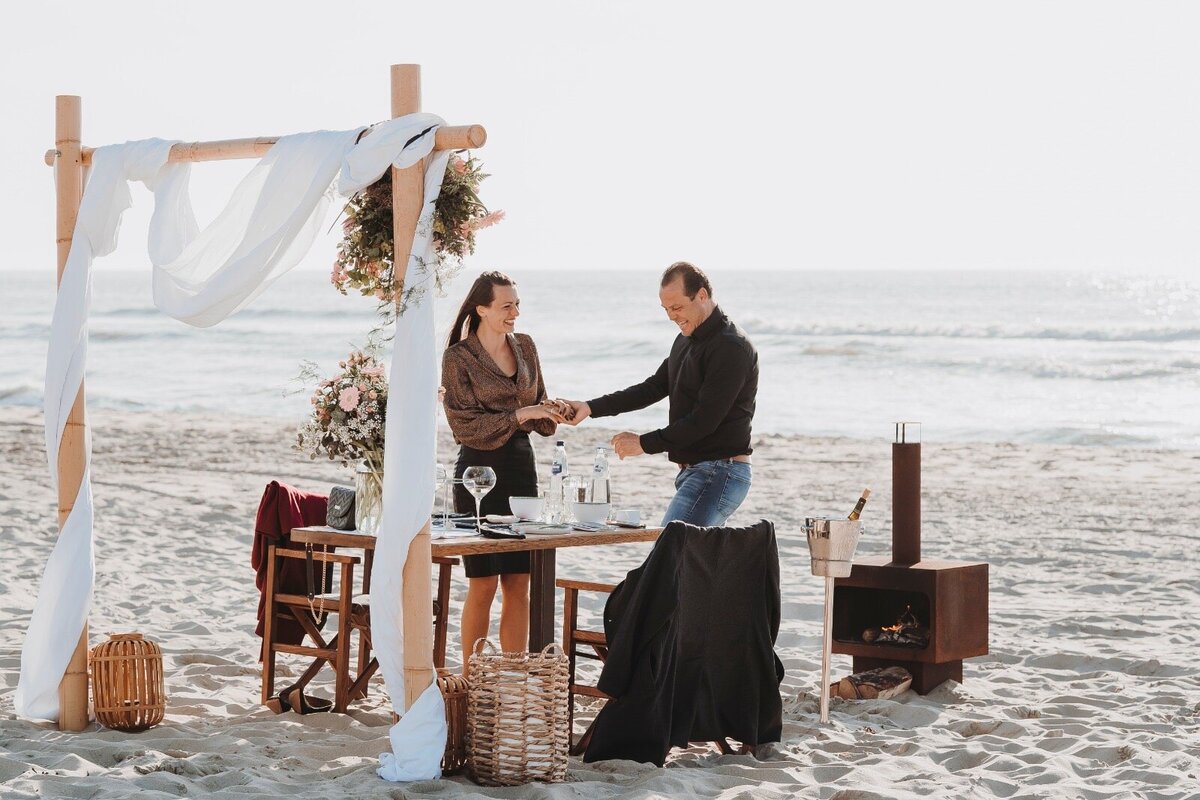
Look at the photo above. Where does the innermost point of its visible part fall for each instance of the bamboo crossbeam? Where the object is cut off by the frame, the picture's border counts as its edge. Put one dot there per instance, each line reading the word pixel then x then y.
pixel 461 137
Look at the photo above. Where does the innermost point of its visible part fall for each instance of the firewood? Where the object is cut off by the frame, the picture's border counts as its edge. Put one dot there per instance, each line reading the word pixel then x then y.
pixel 876 684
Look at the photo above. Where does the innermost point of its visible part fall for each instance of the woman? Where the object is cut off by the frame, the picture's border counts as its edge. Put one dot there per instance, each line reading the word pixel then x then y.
pixel 494 397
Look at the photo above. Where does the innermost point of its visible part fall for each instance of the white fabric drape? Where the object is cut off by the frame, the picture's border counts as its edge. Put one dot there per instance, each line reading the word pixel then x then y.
pixel 201 277
pixel 269 224
pixel 66 589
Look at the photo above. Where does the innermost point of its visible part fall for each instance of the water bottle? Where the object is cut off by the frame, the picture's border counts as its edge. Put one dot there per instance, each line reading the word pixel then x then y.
pixel 600 489
pixel 558 475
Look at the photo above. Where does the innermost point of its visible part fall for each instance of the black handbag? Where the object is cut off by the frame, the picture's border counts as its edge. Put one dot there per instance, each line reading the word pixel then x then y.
pixel 340 511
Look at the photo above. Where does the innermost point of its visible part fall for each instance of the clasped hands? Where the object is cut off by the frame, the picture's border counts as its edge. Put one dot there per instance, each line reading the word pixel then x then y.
pixel 573 412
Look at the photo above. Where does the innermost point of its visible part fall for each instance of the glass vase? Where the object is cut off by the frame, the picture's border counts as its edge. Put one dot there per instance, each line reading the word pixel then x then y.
pixel 368 499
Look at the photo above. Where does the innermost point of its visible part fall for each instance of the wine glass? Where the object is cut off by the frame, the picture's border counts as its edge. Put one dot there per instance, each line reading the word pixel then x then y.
pixel 479 481
pixel 441 479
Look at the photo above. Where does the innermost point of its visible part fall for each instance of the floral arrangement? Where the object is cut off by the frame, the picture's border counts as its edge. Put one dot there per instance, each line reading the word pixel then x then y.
pixel 349 410
pixel 366 257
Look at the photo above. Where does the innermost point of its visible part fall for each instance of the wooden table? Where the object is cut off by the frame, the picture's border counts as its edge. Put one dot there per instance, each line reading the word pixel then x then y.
pixel 541 560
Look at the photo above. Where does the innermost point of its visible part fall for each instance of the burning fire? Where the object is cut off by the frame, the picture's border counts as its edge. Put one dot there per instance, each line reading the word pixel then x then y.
pixel 906 620
pixel 907 631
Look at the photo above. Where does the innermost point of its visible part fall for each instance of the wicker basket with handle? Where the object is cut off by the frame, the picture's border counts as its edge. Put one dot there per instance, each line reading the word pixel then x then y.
pixel 127 683
pixel 454 690
pixel 517 723
pixel 454 695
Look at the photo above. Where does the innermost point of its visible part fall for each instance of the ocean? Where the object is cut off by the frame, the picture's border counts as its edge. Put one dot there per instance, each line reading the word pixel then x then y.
pixel 978 356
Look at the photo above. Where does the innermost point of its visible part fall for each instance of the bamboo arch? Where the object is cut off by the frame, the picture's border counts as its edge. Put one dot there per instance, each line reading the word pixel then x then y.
pixel 70 157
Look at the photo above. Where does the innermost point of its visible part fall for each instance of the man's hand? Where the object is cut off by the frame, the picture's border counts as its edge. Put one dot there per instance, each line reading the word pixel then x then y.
pixel 627 444
pixel 579 411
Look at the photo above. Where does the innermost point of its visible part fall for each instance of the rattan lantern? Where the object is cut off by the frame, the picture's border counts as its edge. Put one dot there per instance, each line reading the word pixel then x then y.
pixel 127 683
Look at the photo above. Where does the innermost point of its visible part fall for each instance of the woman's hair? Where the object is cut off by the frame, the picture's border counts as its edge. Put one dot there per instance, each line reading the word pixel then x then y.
pixel 483 292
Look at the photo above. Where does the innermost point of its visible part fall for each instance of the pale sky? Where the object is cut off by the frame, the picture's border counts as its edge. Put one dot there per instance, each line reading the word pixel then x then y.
pixel 827 135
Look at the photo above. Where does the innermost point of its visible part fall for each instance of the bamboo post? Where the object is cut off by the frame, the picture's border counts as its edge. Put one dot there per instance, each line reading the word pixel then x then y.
pixel 68 132
pixel 408 190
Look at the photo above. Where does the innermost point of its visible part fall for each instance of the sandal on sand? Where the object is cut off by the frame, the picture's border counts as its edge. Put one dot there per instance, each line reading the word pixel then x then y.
pixel 301 704
pixel 280 703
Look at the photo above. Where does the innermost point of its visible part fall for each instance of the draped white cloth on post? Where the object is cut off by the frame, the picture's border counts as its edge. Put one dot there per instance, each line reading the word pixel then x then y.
pixel 201 277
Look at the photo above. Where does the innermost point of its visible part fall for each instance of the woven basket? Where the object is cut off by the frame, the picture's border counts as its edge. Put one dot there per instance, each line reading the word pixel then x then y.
pixel 517 723
pixel 127 683
pixel 454 691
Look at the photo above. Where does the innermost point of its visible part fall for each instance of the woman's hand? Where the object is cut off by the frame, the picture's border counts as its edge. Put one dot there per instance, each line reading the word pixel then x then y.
pixel 528 413
pixel 560 407
pixel 575 411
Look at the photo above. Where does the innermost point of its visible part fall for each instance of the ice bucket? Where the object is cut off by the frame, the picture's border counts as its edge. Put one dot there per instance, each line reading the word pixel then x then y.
pixel 831 544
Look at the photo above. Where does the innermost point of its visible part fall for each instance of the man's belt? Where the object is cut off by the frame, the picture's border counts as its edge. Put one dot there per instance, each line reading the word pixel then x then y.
pixel 737 459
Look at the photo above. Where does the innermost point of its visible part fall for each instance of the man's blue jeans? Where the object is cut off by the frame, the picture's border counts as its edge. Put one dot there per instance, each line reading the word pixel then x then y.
pixel 709 492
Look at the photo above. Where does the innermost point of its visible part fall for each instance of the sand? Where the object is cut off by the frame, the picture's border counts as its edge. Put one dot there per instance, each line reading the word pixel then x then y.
pixel 1092 687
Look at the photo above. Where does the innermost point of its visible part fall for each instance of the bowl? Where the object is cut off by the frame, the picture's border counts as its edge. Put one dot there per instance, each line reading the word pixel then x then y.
pixel 526 507
pixel 591 513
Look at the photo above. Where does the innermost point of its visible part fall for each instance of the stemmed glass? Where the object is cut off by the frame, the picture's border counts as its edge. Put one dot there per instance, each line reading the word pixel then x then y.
pixel 479 481
pixel 441 479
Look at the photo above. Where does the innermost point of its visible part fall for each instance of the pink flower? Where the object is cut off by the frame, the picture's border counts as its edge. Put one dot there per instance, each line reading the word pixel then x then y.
pixel 459 166
pixel 349 399
pixel 487 221
pixel 362 387
pixel 374 395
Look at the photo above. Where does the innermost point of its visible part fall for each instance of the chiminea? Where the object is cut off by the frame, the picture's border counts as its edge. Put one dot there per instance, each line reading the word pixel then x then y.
pixel 924 616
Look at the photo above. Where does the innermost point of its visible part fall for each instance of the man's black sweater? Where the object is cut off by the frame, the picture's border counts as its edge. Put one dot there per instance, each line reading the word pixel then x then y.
pixel 712 379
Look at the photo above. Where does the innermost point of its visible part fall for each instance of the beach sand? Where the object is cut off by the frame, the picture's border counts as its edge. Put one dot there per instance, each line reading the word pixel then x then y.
pixel 1092 687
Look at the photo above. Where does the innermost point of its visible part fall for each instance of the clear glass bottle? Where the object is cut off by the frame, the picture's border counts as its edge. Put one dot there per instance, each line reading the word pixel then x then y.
pixel 559 471
pixel 600 490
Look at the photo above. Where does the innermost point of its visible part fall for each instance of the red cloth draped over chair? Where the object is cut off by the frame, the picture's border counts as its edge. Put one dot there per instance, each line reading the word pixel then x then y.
pixel 282 508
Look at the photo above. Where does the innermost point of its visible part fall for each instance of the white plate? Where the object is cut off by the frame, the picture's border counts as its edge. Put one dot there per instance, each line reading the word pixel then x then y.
pixel 451 533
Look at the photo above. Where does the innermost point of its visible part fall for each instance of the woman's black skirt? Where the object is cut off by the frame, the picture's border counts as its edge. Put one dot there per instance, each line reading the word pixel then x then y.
pixel 516 474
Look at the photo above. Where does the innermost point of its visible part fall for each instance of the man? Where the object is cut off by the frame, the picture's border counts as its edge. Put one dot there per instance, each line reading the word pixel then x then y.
pixel 711 378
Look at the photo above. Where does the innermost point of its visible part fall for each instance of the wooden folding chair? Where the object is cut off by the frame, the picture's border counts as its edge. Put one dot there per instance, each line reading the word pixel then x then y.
pixel 576 643
pixel 353 611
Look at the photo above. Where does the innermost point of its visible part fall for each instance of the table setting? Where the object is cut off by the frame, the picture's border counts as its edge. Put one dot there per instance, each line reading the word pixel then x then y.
pixel 531 516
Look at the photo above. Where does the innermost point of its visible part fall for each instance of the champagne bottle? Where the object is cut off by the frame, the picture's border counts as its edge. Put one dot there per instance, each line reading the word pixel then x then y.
pixel 858 507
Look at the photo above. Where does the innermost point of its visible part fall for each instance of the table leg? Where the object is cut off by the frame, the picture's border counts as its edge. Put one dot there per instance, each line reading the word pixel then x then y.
pixel 541 599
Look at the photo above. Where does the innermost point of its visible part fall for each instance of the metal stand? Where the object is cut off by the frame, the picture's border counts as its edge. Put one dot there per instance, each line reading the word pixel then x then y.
pixel 826 648
pixel 831 543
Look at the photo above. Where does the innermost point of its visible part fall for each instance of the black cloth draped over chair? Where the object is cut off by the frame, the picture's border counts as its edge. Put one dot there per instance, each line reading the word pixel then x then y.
pixel 691 635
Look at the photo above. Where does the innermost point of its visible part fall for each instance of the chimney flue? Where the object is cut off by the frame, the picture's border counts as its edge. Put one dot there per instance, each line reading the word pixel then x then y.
pixel 906 494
